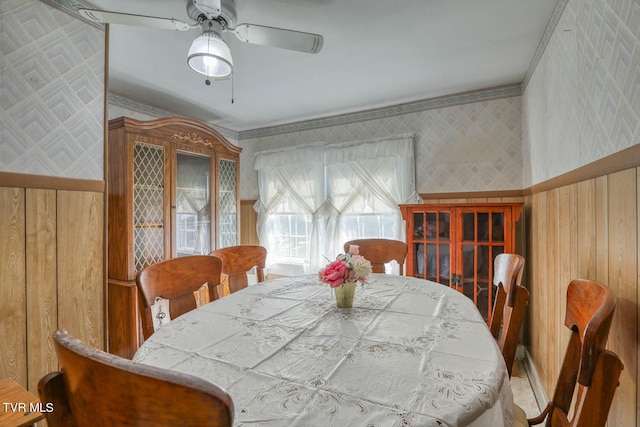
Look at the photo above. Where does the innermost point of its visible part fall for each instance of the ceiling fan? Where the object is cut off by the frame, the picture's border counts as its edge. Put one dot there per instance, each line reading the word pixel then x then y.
pixel 209 54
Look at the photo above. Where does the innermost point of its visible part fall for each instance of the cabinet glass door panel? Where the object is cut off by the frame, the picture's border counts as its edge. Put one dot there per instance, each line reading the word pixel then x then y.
pixel 497 227
pixel 148 204
pixel 467 276
pixel 468 226
pixel 418 225
pixel 193 204
pixel 433 263
pixel 482 227
pixel 432 245
pixel 227 209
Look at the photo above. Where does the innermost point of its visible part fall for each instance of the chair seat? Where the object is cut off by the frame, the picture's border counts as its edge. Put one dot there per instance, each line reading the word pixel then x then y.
pixel 519 417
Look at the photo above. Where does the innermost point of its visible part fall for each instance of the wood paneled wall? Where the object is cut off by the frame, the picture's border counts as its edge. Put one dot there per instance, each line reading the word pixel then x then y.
pixel 248 221
pixel 51 276
pixel 589 229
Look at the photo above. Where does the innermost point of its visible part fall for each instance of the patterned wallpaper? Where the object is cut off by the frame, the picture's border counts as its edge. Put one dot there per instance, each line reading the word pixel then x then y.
pixel 468 147
pixel 52 92
pixel 582 102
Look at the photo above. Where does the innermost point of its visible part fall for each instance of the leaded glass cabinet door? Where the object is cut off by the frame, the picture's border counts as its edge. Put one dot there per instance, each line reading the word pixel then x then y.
pixel 228 200
pixel 192 206
pixel 150 200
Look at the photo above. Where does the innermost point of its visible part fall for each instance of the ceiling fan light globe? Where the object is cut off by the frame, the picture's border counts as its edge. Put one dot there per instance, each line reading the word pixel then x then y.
pixel 209 55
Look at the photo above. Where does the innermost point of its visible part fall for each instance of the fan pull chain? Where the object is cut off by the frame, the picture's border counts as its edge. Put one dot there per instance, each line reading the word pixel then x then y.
pixel 232 87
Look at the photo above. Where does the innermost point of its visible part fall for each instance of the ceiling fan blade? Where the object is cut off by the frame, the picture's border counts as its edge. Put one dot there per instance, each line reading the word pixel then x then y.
pixel 105 17
pixel 279 37
pixel 211 8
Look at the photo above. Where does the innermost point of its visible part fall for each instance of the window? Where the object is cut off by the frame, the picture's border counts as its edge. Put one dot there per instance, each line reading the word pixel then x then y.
pixel 370 226
pixel 315 198
pixel 291 234
pixel 186 232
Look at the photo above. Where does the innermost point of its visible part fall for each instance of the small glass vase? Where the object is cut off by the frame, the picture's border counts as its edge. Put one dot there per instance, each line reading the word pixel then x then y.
pixel 344 295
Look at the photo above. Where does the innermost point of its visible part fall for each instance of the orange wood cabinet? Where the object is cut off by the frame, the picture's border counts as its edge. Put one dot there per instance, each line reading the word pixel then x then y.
pixel 173 188
pixel 455 244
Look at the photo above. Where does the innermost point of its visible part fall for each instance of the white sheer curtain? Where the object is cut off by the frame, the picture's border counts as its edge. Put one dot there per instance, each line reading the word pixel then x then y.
pixel 368 178
pixel 193 200
pixel 290 182
pixel 335 185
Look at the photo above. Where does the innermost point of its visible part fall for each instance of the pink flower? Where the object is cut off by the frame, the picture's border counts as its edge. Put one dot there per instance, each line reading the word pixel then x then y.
pixel 334 274
pixel 347 268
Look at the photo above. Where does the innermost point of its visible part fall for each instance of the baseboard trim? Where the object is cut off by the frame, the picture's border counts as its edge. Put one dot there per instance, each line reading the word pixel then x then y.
pixel 534 380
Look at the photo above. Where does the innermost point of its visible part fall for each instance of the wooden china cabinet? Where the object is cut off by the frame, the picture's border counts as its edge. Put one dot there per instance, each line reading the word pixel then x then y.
pixel 173 187
pixel 455 244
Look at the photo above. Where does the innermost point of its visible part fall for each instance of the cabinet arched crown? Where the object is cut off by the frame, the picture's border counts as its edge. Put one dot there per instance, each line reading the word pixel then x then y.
pixel 177 130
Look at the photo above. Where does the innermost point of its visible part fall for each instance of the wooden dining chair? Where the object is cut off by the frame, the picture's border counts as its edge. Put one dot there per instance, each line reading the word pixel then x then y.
pixel 94 388
pixel 509 306
pixel 587 366
pixel 236 263
pixel 175 286
pixel 381 251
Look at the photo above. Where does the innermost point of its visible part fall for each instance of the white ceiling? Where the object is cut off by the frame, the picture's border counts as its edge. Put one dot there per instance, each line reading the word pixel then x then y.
pixel 376 53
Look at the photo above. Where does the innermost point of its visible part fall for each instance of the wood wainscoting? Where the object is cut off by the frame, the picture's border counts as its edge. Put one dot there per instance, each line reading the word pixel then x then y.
pixel 248 221
pixel 52 254
pixel 587 229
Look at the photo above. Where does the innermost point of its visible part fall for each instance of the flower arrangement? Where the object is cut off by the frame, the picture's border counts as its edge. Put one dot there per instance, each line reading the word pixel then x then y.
pixel 347 268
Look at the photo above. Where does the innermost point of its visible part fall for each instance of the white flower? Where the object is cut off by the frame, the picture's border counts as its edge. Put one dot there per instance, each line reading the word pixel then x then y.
pixel 360 266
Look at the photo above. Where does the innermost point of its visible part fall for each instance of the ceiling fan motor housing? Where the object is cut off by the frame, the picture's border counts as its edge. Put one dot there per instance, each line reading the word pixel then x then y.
pixel 208 8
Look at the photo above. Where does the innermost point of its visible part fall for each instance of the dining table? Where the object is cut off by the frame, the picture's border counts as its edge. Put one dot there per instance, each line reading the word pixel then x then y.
pixel 410 352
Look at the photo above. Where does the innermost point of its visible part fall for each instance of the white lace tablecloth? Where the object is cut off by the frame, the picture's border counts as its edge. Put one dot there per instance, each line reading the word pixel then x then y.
pixel 409 353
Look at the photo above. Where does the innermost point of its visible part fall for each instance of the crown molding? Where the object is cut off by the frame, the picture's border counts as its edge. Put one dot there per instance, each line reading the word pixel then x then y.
pixel 544 41
pixel 374 114
pixel 395 110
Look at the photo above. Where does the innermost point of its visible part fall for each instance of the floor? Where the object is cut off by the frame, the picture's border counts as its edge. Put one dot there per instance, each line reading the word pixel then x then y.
pixel 522 392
